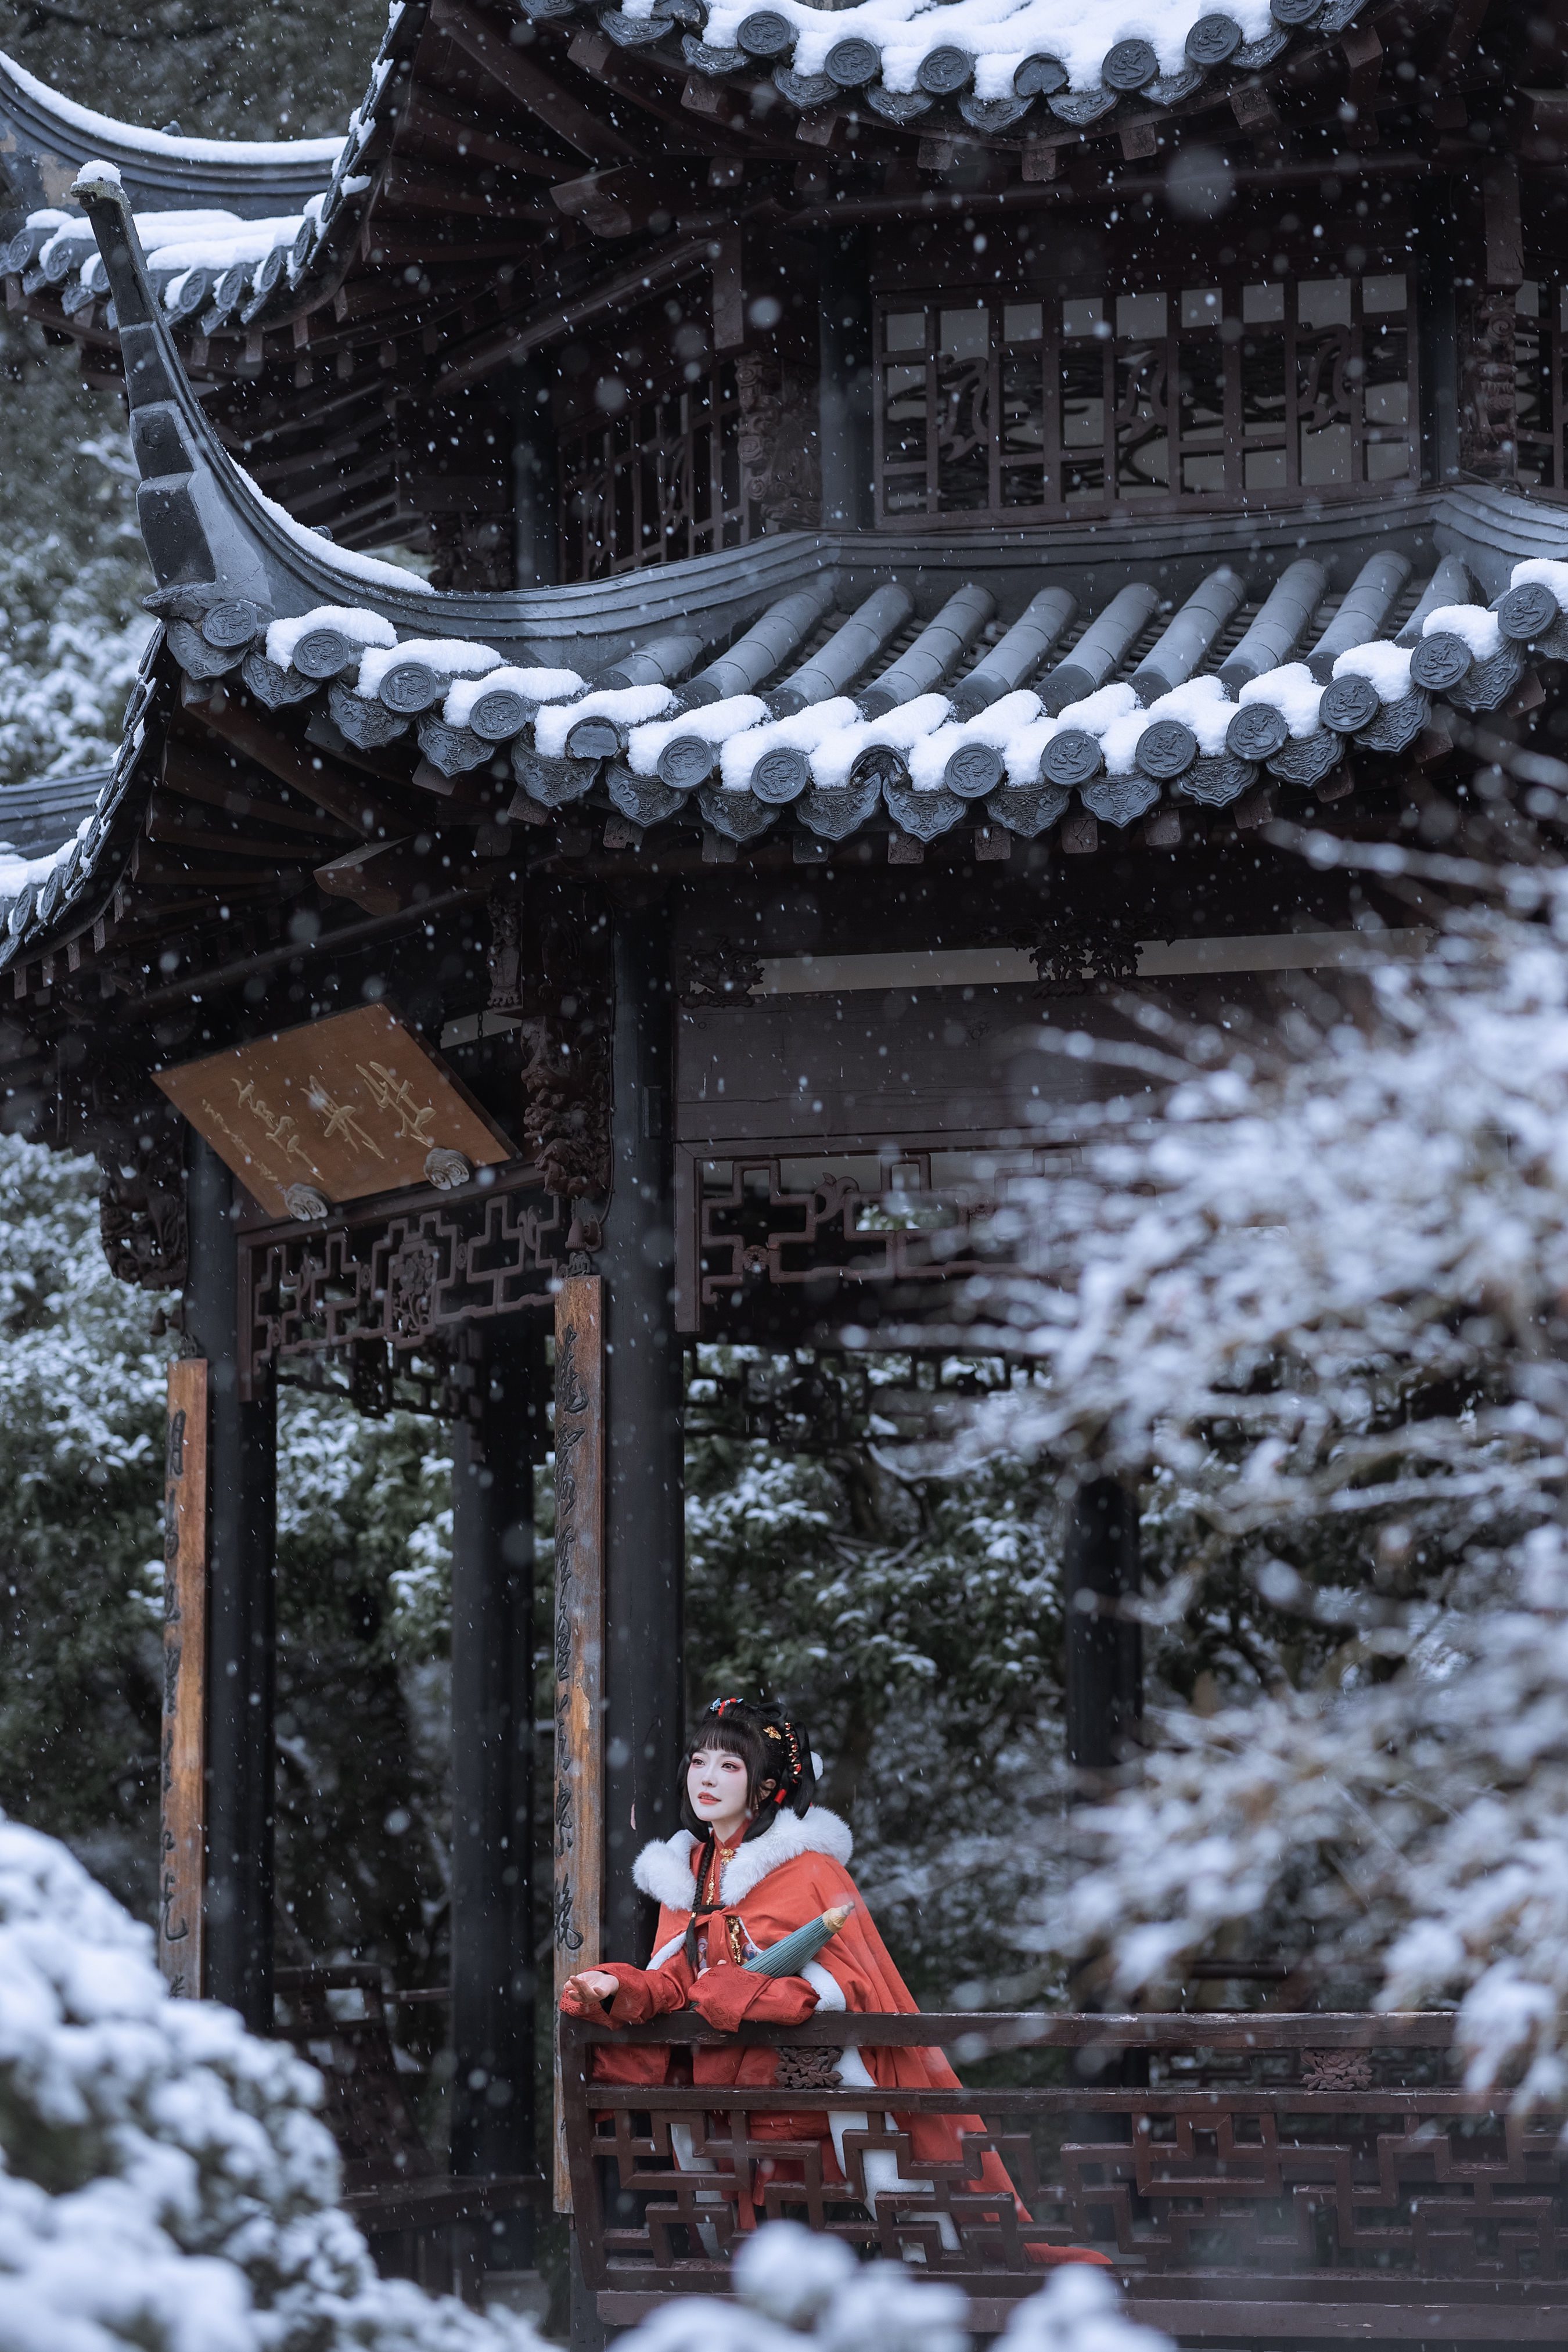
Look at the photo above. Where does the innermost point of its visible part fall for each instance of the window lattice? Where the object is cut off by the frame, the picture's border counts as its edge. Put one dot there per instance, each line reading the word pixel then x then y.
pixel 660 481
pixel 1012 407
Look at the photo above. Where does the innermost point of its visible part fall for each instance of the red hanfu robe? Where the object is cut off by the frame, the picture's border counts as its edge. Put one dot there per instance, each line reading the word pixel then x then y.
pixel 793 1871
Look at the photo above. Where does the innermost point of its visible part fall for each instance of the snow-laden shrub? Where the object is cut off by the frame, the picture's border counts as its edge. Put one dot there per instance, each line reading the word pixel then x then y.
pixel 1320 1311
pixel 165 2184
pixel 801 2292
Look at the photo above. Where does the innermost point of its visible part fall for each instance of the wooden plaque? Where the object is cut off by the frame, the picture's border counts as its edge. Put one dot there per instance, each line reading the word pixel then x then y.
pixel 579 1839
pixel 181 1872
pixel 351 1104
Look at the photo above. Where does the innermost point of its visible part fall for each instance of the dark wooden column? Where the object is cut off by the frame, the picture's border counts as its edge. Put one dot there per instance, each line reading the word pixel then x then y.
pixel 535 549
pixel 493 1981
pixel 644 1531
pixel 241 1523
pixel 844 389
pixel 1104 1651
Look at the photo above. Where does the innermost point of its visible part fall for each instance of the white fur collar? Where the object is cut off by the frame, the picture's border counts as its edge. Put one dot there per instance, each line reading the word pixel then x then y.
pixel 663 1868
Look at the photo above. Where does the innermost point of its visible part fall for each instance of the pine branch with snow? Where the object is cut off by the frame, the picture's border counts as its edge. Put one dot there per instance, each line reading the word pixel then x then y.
pixel 800 2291
pixel 165 2183
pixel 1319 1310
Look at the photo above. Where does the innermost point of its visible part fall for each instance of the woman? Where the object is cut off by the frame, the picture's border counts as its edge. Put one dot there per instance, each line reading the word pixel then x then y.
pixel 756 1859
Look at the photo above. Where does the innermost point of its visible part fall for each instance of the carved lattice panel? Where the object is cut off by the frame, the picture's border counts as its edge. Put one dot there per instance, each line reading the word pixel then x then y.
pixel 890 1223
pixel 391 1287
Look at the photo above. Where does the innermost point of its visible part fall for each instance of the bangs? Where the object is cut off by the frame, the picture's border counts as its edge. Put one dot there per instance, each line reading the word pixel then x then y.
pixel 728 1739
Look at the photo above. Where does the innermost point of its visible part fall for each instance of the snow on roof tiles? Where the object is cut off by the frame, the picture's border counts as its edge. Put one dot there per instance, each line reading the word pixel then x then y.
pixel 102 130
pixel 998 34
pixel 1194 745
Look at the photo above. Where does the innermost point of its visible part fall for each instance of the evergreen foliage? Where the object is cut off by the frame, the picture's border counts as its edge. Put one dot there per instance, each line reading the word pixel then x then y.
pixel 1321 1305
pixel 913 1617
pixel 72 570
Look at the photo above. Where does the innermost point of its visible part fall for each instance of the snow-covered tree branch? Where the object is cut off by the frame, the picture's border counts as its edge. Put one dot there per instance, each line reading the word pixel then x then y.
pixel 1319 1309
pixel 165 2182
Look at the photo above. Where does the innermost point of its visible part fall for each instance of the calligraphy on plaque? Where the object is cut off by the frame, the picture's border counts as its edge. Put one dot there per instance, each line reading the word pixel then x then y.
pixel 339 1108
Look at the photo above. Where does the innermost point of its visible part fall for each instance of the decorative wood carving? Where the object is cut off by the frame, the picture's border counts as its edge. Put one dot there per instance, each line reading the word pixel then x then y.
pixel 579 1839
pixel 182 1838
pixel 1488 395
pixel 470 553
pixel 720 974
pixel 141 1219
pixel 341 1108
pixel 549 963
pixel 1080 953
pixel 779 451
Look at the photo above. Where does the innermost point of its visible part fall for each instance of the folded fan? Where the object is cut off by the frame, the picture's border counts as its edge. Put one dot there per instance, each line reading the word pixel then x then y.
pixel 800 1946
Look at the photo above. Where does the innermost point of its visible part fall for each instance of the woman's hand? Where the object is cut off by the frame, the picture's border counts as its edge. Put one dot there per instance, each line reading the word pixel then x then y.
pixel 590 1987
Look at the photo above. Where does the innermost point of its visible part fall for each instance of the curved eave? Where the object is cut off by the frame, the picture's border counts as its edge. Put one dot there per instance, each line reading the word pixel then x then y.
pixel 90 864
pixel 47 139
pixel 320 187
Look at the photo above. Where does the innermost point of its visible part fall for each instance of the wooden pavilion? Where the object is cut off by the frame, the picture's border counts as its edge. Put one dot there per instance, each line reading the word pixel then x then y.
pixel 912 525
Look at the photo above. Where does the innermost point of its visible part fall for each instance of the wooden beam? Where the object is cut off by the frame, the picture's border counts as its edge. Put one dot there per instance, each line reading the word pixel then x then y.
pixel 675 263
pixel 194 870
pixel 218 782
pixel 729 295
pixel 410 186
pixel 579 1841
pixel 182 1840
pixel 524 83
pixel 1466 23
pixel 423 120
pixel 390 875
pixel 239 722
pixel 632 78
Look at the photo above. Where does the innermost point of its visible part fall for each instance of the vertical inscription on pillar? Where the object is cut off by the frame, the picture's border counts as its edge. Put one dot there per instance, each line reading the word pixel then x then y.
pixel 579 1839
pixel 182 1751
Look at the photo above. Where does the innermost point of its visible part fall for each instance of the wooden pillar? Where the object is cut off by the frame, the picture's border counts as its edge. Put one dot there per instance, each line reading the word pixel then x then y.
pixel 579 1815
pixel 843 385
pixel 241 1518
pixel 182 1857
pixel 1104 1649
pixel 645 1532
pixel 493 1981
pixel 536 552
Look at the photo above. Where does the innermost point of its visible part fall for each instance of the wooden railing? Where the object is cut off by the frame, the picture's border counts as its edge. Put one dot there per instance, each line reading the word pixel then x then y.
pixel 1254 2179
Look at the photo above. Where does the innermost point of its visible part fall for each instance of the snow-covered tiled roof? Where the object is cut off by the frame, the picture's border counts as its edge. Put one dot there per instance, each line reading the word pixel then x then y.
pixel 1082 723
pixel 1002 35
pixel 995 62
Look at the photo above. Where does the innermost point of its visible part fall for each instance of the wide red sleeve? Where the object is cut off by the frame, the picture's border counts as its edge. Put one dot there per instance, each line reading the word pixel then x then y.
pixel 644 1993
pixel 725 1995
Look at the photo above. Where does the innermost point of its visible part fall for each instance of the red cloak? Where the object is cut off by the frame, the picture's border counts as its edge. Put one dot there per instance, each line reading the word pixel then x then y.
pixel 792 1873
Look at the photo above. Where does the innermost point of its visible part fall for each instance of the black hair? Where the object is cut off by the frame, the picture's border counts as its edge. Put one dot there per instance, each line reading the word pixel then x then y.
pixel 773 1748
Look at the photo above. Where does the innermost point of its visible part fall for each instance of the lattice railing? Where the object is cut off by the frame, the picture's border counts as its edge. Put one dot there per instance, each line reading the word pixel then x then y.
pixel 1253 2179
